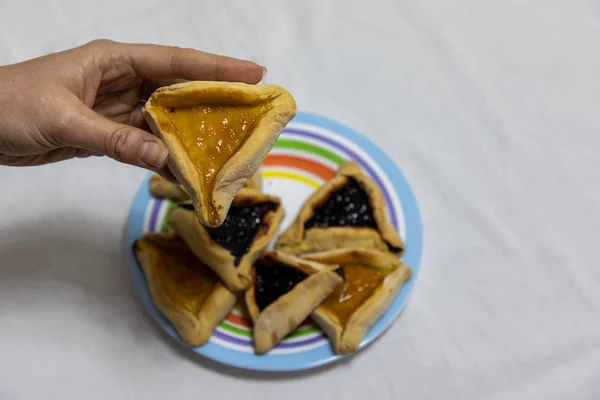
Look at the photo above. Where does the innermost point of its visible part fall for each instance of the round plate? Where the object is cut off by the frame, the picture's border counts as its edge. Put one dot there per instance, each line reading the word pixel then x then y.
pixel 306 155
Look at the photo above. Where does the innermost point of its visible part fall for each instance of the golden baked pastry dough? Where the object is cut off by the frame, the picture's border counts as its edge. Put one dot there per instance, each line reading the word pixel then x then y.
pixel 347 212
pixel 162 188
pixel 285 290
pixel 372 280
pixel 185 290
pixel 231 249
pixel 218 134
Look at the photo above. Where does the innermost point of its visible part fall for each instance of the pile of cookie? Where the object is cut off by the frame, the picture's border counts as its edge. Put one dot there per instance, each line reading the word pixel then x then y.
pixel 338 262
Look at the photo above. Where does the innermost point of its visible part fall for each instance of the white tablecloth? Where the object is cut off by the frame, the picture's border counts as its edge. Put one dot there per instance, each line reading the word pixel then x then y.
pixel 490 109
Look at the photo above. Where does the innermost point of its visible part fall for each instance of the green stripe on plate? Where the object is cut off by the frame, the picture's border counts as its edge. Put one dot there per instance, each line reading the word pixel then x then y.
pixel 310 148
pixel 235 329
pixel 165 227
pixel 246 333
pixel 302 332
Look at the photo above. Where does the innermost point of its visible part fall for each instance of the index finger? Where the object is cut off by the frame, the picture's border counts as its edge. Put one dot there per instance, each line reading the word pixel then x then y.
pixel 156 62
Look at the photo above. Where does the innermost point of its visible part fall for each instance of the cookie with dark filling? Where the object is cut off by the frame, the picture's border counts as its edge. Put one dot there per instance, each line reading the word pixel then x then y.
pixel 347 206
pixel 183 288
pixel 347 212
pixel 372 280
pixel 285 290
pixel 231 248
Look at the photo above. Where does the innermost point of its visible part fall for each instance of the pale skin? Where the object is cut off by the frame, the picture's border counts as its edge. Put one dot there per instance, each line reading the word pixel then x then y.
pixel 87 101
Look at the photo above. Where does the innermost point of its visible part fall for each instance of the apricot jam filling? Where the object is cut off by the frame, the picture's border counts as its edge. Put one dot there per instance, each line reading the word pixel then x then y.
pixel 359 284
pixel 185 279
pixel 210 135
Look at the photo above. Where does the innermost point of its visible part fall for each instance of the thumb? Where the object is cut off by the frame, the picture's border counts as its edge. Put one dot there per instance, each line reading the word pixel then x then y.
pixel 88 130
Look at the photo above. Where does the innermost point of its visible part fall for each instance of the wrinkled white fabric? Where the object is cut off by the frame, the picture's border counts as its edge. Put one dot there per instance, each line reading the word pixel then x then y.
pixel 489 107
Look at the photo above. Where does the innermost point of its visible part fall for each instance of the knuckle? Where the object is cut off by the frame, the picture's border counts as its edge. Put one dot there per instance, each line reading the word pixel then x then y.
pixel 105 53
pixel 110 60
pixel 100 43
pixel 176 60
pixel 118 143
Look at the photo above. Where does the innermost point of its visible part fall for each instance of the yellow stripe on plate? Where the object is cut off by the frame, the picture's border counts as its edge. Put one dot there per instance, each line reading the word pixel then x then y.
pixel 293 176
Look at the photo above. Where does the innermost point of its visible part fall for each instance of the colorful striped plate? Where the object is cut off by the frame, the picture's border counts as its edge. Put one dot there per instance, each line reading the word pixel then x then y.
pixel 306 155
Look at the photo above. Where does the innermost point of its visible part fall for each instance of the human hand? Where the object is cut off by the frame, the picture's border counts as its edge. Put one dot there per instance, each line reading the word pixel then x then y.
pixel 88 100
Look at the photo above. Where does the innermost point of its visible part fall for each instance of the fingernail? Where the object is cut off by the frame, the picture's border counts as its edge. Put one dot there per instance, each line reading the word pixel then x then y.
pixel 154 154
pixel 264 72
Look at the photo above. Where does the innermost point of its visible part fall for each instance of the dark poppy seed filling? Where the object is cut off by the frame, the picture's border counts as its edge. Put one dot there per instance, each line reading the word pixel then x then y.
pixel 241 225
pixel 273 281
pixel 394 249
pixel 348 206
pixel 340 272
